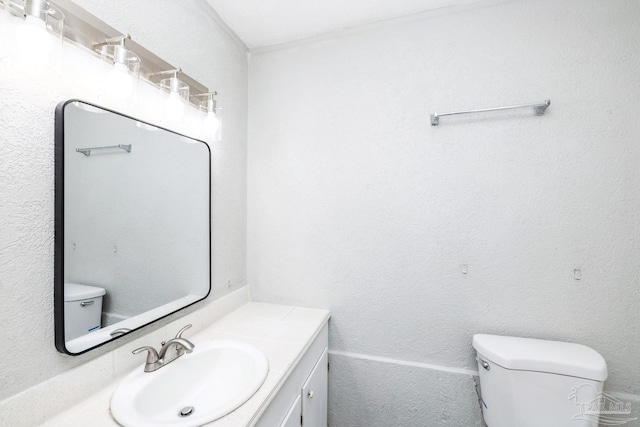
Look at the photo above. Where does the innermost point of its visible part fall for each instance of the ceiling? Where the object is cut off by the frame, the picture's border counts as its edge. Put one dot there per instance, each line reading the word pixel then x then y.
pixel 262 23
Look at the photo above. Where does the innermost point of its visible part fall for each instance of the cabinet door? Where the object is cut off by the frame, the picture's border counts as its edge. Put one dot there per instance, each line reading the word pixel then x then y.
pixel 314 395
pixel 293 416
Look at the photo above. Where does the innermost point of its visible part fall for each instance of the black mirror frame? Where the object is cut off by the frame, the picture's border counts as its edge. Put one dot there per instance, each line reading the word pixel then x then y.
pixel 58 294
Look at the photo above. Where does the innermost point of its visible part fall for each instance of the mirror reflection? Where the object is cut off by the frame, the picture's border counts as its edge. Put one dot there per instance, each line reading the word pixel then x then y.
pixel 132 224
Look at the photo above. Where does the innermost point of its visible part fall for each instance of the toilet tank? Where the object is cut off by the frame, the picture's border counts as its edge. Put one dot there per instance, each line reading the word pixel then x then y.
pixel 527 382
pixel 82 309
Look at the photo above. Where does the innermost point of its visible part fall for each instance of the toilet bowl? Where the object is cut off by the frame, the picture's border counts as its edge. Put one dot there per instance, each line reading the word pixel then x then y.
pixel 82 309
pixel 532 383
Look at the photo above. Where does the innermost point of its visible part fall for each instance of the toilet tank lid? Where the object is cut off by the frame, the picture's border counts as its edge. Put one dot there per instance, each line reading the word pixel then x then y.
pixel 76 292
pixel 554 357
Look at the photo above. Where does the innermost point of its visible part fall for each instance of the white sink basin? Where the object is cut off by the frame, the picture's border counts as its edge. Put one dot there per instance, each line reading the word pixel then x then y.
pixel 216 378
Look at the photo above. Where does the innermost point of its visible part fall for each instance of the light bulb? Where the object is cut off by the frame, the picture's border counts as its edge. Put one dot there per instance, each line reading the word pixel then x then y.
pixel 119 83
pixel 210 124
pixel 174 106
pixel 33 41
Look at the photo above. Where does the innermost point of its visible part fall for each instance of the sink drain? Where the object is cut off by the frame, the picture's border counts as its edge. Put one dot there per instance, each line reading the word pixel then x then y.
pixel 186 411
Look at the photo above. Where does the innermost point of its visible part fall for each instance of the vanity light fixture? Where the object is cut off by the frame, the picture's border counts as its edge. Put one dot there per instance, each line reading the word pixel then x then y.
pixel 177 95
pixel 64 18
pixel 42 29
pixel 212 121
pixel 122 80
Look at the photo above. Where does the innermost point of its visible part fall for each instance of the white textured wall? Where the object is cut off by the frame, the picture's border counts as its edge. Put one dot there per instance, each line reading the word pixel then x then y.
pixel 357 204
pixel 183 33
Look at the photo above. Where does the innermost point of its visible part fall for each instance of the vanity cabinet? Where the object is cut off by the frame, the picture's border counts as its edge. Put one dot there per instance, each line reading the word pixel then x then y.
pixel 314 395
pixel 302 399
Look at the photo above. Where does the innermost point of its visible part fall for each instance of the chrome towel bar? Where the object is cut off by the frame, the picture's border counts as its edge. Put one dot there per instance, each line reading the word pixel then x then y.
pixel 538 109
pixel 87 151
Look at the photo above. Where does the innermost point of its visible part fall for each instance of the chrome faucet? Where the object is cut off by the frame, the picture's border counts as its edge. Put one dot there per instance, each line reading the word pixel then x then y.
pixel 169 351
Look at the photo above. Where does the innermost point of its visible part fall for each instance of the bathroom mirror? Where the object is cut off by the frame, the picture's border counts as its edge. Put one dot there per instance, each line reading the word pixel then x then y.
pixel 132 224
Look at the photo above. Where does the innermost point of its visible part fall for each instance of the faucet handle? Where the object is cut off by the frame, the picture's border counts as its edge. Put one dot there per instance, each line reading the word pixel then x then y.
pixel 152 354
pixel 181 331
pixel 153 360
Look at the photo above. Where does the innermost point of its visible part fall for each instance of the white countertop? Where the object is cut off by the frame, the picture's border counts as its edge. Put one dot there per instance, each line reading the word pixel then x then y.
pixel 282 332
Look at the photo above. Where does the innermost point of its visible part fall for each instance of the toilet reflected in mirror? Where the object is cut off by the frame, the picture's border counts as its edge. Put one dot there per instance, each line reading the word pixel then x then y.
pixel 82 309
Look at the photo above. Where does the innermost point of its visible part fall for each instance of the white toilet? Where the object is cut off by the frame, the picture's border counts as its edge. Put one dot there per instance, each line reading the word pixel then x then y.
pixel 82 309
pixel 536 383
